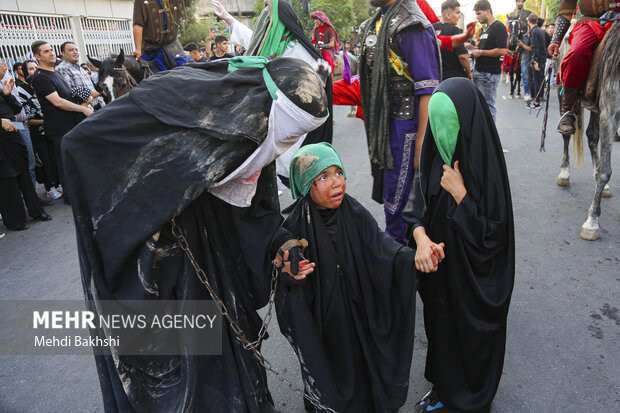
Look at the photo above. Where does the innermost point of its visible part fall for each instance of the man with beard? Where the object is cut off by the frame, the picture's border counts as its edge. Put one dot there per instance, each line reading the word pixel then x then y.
pixel 399 69
pixel 492 46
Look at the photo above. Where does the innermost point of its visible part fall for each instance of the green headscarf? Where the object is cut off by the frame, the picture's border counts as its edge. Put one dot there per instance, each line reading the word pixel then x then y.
pixel 272 36
pixel 308 162
pixel 444 122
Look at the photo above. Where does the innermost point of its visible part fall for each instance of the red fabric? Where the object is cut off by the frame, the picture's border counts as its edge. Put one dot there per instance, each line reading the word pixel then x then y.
pixel 428 11
pixel 446 42
pixel 348 95
pixel 576 64
pixel 328 58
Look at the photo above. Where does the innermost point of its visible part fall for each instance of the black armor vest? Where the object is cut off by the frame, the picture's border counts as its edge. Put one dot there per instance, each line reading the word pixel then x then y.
pixel 401 90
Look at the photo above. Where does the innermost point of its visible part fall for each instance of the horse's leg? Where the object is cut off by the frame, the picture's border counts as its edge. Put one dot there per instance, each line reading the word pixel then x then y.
pixel 564 176
pixel 512 86
pixel 602 168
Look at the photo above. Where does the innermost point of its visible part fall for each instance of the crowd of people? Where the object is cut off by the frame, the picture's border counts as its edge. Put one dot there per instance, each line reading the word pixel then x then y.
pixel 42 100
pixel 347 303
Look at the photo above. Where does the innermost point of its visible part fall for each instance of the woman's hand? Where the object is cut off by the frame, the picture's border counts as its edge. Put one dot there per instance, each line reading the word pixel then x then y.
pixel 452 181
pixel 428 254
pixel 305 267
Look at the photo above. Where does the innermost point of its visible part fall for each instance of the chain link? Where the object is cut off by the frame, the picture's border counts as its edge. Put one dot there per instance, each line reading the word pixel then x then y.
pixel 253 347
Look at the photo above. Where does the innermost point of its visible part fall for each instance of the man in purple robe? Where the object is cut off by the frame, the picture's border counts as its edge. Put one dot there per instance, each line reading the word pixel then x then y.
pixel 399 71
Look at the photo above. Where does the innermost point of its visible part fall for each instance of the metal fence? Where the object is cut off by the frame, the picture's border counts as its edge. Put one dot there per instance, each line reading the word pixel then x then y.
pixel 18 31
pixel 100 36
pixel 103 37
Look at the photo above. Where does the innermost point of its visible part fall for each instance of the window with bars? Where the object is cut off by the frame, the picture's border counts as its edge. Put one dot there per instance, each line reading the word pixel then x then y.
pixel 103 37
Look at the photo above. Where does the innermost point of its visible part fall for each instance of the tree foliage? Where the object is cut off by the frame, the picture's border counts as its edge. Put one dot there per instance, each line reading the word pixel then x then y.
pixel 198 31
pixel 344 14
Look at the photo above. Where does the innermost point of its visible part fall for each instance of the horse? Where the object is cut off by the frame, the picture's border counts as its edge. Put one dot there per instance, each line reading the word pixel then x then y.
pixel 603 102
pixel 512 59
pixel 117 76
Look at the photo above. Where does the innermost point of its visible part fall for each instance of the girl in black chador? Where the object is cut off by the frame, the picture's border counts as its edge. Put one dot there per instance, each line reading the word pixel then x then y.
pixel 461 216
pixel 351 321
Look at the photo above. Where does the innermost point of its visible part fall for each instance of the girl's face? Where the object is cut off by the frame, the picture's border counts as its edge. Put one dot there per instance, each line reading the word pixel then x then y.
pixel 328 188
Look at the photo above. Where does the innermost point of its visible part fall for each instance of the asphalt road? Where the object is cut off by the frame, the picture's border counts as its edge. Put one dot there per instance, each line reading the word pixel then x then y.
pixel 564 323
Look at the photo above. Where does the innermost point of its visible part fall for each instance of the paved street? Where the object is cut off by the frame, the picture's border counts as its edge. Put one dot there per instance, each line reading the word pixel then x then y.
pixel 564 323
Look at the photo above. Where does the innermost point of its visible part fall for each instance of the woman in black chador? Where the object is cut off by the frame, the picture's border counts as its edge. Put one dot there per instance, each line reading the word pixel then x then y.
pixel 197 144
pixel 461 216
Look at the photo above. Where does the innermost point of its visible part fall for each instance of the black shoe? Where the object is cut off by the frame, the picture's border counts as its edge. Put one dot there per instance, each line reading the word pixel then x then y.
pixel 43 217
pixel 46 202
pixel 21 227
pixel 535 105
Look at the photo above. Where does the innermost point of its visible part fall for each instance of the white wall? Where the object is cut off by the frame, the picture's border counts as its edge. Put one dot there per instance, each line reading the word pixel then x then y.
pixel 93 8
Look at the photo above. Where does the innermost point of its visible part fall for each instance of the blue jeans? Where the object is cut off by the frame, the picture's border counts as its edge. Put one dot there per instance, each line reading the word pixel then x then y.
pixel 525 76
pixel 26 138
pixel 487 83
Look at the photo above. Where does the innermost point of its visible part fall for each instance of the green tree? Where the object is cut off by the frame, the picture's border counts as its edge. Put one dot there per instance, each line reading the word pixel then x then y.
pixel 342 14
pixel 552 9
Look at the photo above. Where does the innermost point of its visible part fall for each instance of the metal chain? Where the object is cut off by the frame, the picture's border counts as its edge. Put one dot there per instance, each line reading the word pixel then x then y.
pixel 239 333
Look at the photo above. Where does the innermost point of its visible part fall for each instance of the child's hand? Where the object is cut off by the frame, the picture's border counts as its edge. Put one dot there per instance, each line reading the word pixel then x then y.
pixel 305 267
pixel 429 255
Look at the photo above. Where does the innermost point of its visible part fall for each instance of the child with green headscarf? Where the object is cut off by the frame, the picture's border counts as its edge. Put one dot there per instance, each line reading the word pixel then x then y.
pixel 351 321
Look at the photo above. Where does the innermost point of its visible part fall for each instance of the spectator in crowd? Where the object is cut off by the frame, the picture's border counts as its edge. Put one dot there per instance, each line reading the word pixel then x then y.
pixel 203 52
pixel 59 112
pixel 526 47
pixel 86 70
pixel 538 58
pixel 82 87
pixel 220 48
pixel 20 118
pixel 15 183
pixel 94 72
pixel 548 36
pixel 156 29
pixel 455 62
pixel 192 49
pixel 43 146
pixel 347 46
pixel 491 47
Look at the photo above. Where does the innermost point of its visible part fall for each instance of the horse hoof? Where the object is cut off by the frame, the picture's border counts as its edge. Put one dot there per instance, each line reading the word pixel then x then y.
pixel 563 182
pixel 589 234
pixel 589 229
pixel 606 193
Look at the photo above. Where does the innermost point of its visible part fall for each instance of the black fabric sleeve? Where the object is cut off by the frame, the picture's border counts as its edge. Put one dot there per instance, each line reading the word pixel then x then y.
pixel 414 213
pixel 481 231
pixel 538 46
pixel 13 103
pixel 43 86
pixel 501 36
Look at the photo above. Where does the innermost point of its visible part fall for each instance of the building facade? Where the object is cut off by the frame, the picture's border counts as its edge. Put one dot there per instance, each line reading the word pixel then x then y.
pixel 97 27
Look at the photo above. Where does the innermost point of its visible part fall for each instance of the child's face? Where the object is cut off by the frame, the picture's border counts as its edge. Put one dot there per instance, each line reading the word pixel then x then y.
pixel 328 188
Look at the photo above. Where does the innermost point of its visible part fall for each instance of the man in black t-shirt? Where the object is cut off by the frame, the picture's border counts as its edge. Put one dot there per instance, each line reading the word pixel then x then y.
pixel 455 63
pixel 220 49
pixel 59 112
pixel 492 46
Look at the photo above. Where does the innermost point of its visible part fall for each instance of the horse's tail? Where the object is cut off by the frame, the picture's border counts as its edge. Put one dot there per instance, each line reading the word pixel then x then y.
pixel 578 136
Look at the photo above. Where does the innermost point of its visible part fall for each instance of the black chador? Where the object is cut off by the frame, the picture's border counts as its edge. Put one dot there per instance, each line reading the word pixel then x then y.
pixel 351 322
pixel 466 300
pixel 159 153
